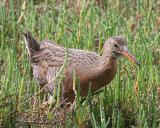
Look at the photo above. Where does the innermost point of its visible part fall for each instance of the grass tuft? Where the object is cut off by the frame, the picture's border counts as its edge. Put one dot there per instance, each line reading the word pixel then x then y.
pixel 131 100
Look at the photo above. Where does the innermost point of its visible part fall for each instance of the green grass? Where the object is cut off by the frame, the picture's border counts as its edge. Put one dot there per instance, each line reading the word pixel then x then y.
pixel 120 104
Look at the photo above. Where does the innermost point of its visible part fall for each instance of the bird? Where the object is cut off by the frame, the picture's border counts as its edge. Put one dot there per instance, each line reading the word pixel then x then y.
pixel 92 71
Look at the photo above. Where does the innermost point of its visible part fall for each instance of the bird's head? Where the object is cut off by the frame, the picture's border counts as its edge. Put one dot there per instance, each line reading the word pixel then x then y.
pixel 117 46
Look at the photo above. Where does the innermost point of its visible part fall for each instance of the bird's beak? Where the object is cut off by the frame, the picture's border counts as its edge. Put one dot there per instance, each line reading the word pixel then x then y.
pixel 129 56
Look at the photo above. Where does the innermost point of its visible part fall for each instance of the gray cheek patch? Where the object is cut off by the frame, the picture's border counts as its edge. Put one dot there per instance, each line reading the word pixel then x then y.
pixel 125 48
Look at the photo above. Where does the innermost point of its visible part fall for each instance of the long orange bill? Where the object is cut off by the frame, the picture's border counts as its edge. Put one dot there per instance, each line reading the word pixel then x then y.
pixel 129 57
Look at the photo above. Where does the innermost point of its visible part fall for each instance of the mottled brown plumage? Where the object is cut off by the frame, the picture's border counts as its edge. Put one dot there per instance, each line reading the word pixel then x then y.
pixel 90 68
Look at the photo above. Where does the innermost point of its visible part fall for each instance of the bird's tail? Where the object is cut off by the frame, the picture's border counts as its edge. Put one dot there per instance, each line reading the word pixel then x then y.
pixel 31 44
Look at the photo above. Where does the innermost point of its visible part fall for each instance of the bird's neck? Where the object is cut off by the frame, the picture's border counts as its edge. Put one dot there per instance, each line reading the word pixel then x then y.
pixel 104 72
pixel 107 60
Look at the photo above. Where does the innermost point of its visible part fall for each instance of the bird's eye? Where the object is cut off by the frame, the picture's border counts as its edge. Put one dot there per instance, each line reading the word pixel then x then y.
pixel 115 45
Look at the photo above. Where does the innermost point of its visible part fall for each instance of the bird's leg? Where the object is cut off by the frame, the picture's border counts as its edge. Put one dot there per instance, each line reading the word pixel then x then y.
pixel 74 103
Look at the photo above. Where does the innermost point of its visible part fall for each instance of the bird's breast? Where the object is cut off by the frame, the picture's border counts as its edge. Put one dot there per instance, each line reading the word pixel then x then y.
pixel 98 80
